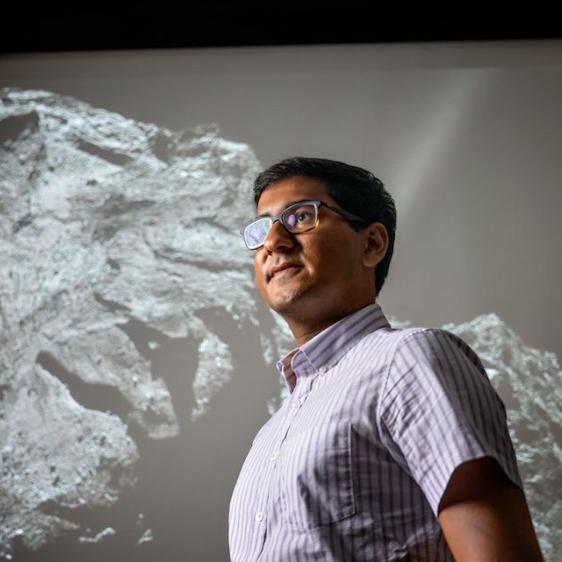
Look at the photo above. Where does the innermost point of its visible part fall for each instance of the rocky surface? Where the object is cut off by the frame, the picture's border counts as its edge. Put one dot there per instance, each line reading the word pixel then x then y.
pixel 105 224
pixel 529 381
pixel 118 238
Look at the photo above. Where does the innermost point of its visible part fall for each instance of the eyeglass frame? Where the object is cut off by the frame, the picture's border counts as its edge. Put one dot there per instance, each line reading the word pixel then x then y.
pixel 317 205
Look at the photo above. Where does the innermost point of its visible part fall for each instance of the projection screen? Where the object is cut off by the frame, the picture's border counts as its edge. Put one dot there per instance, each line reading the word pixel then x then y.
pixel 136 358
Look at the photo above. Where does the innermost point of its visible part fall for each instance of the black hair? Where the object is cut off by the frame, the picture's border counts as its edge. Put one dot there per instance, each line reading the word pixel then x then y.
pixel 354 189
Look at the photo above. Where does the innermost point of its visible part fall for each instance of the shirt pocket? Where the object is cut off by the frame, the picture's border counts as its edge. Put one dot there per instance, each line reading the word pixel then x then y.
pixel 316 478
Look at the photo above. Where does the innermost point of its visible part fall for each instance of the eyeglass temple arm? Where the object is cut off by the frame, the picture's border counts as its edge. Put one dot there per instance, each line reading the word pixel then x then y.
pixel 346 214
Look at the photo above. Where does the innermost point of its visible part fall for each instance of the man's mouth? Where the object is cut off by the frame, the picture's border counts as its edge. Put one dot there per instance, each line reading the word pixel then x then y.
pixel 283 269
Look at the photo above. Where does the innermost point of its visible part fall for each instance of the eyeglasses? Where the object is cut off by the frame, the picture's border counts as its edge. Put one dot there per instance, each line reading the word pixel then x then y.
pixel 296 218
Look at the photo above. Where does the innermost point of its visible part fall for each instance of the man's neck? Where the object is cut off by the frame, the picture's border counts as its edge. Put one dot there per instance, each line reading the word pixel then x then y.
pixel 304 329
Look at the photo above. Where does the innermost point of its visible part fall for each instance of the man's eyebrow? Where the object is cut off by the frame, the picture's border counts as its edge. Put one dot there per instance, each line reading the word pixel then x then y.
pixel 287 205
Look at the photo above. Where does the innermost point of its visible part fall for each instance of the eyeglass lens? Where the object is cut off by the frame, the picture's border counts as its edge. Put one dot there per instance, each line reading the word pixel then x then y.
pixel 299 217
pixel 296 218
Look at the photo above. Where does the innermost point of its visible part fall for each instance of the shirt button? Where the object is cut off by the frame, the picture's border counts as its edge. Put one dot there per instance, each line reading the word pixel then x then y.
pixel 260 516
pixel 296 403
pixel 322 369
pixel 273 456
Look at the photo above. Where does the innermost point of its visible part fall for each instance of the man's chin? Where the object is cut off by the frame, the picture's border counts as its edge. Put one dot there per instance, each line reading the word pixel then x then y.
pixel 286 301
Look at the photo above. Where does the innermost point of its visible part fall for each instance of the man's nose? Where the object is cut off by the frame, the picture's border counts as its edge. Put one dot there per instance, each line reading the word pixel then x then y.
pixel 278 238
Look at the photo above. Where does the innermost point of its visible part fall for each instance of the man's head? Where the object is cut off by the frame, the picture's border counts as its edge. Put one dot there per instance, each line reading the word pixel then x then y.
pixel 354 189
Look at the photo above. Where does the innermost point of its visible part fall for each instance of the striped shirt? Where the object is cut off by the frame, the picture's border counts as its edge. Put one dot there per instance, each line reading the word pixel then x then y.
pixel 353 465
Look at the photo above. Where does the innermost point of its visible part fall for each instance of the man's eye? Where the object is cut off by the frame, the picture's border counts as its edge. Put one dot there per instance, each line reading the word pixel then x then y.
pixel 303 216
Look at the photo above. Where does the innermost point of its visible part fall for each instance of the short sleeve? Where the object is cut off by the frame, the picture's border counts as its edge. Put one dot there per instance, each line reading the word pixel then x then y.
pixel 440 410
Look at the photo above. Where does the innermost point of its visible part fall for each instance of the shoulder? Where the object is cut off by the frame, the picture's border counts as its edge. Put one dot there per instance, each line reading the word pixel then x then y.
pixel 427 336
pixel 405 345
pixel 433 360
pixel 433 344
pixel 420 343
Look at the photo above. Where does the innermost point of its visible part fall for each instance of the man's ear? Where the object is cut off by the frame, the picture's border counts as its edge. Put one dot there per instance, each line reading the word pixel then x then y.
pixel 376 244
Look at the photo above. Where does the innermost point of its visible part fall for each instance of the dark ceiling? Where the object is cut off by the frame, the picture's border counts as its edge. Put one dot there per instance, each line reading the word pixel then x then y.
pixel 120 25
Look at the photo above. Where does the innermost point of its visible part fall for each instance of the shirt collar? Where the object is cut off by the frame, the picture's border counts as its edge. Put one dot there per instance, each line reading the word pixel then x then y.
pixel 325 349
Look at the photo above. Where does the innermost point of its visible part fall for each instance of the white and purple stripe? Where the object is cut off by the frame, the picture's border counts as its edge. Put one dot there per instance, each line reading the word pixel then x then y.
pixel 353 465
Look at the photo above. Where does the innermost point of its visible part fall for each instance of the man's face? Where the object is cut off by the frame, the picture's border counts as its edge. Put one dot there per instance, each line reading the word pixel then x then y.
pixel 311 272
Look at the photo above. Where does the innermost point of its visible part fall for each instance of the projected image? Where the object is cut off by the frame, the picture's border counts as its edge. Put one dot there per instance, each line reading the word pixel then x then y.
pixel 129 318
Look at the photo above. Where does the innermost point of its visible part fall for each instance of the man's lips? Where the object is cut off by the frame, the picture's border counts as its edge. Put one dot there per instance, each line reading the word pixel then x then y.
pixel 281 267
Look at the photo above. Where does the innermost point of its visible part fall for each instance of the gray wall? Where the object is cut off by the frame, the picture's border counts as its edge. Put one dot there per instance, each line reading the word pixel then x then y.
pixel 468 138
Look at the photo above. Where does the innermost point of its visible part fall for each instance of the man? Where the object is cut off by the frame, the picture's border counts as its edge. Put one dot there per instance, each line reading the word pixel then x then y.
pixel 392 445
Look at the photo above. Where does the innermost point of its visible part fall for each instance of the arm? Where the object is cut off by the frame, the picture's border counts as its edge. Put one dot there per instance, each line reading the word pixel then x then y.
pixel 484 516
